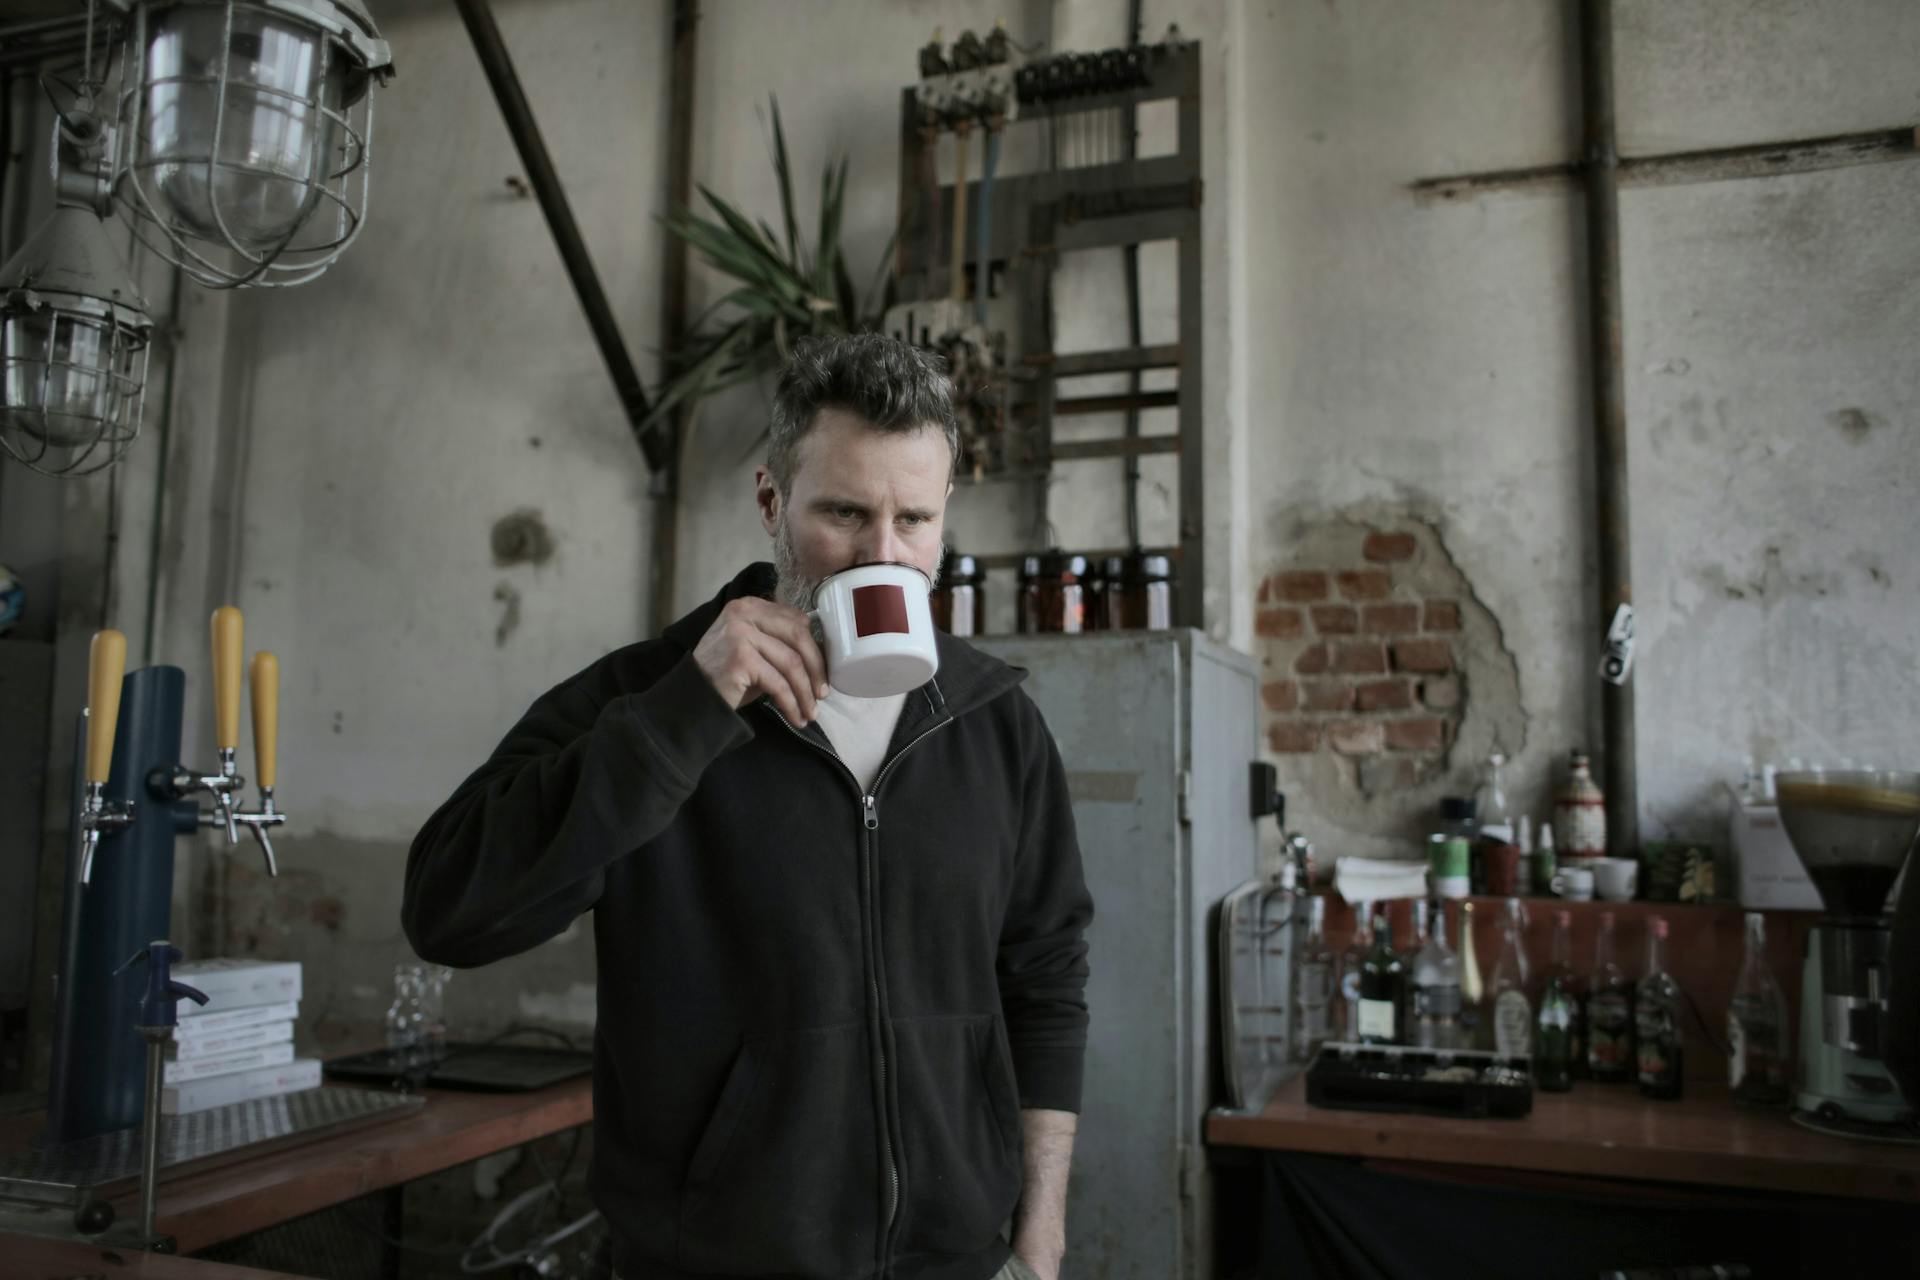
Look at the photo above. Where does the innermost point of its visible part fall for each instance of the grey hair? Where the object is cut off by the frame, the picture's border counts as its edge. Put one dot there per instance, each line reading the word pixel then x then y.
pixel 893 385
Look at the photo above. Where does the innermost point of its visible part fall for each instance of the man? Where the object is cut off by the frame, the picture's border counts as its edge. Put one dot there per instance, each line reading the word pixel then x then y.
pixel 840 940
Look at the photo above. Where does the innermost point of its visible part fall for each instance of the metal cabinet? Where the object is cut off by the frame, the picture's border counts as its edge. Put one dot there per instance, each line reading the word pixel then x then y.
pixel 1156 730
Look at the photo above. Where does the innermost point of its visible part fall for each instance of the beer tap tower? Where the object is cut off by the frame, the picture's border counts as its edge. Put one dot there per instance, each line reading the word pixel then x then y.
pixel 133 799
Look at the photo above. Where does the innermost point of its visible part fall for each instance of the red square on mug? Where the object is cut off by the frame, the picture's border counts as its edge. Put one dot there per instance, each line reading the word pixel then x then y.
pixel 879 609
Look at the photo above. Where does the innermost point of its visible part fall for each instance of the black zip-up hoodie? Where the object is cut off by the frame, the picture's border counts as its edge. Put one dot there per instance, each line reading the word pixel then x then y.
pixel 820 1011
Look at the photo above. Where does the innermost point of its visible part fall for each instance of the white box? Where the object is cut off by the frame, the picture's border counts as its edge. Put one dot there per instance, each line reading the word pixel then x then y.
pixel 1769 873
pixel 237 984
pixel 220 1044
pixel 201 1024
pixel 243 1086
pixel 272 1055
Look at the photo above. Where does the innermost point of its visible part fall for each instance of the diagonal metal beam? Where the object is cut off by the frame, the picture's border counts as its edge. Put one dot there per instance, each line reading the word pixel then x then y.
pixel 545 180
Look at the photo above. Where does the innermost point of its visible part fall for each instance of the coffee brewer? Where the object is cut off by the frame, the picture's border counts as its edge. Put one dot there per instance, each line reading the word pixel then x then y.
pixel 1853 830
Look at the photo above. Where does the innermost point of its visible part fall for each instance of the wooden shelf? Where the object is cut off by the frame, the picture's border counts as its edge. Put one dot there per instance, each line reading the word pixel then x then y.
pixel 1599 1130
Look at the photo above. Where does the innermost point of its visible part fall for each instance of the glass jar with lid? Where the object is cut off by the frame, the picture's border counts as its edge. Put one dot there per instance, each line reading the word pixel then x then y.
pixel 1137 593
pixel 959 602
pixel 1052 594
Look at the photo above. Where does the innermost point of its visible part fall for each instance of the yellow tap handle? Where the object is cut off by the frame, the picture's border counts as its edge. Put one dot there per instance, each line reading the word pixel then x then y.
pixel 106 666
pixel 266 717
pixel 228 636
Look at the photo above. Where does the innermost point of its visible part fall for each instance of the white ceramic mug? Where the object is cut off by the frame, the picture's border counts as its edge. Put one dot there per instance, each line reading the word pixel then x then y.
pixel 1616 879
pixel 1575 884
pixel 877 629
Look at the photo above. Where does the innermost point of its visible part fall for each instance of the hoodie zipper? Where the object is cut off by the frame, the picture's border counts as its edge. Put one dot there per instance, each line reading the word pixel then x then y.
pixel 870 815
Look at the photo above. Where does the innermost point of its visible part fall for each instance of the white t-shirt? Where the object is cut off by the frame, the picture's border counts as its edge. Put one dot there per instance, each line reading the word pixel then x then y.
pixel 860 730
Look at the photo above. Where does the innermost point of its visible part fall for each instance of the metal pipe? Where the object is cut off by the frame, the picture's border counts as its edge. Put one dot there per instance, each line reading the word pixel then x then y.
pixel 156 1038
pixel 1130 259
pixel 1609 408
pixel 545 181
pixel 673 302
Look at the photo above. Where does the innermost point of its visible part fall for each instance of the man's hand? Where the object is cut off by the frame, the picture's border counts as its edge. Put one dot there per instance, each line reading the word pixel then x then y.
pixel 758 647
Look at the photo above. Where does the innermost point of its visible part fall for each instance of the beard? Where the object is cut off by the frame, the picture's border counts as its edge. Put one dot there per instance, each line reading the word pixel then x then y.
pixel 795 588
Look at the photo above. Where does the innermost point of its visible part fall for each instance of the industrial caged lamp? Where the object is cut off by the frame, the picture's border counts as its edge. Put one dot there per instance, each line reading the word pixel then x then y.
pixel 239 153
pixel 244 131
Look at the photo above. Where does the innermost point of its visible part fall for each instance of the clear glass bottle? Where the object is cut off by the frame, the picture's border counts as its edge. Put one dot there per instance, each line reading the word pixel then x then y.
pixel 1473 1032
pixel 1436 987
pixel 1351 962
pixel 1383 982
pixel 1757 1027
pixel 1557 1040
pixel 1656 1021
pixel 1490 802
pixel 1609 1012
pixel 406 1016
pixel 1512 1011
pixel 1313 985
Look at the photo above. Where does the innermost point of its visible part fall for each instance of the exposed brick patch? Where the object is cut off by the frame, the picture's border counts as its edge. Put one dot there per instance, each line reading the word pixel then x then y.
pixel 1443 615
pixel 1280 695
pixel 1422 656
pixel 1266 590
pixel 1389 546
pixel 1281 624
pixel 1357 737
pixel 1360 658
pixel 1365 584
pixel 1416 735
pixel 1385 695
pixel 1301 586
pixel 1314 661
pixel 1335 619
pixel 1293 737
pixel 1442 693
pixel 1390 619
pixel 1329 695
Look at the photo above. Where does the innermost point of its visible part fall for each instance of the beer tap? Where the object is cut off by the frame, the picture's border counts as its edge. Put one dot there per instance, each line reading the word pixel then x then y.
pixel 264 678
pixel 178 781
pixel 106 667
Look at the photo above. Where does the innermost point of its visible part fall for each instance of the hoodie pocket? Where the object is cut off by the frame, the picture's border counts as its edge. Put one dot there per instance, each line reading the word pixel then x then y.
pixel 784 1178
pixel 960 1134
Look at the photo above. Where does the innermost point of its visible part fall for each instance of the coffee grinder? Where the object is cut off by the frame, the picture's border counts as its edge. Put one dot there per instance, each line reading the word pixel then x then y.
pixel 1853 830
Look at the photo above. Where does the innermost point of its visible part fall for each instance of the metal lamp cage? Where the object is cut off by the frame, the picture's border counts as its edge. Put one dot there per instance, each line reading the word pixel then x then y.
pixel 74 372
pixel 329 110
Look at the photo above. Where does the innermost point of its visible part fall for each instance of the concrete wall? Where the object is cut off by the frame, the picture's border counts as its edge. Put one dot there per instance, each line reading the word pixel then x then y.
pixel 344 450
pixel 1425 363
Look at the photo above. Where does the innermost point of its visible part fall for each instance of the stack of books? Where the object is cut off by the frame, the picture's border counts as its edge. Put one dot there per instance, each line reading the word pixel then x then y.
pixel 239 1045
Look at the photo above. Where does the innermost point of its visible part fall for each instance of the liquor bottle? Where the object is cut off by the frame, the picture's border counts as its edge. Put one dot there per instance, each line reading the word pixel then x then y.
pixel 1313 985
pixel 1490 802
pixel 1436 987
pixel 1512 1011
pixel 1757 1027
pixel 1351 962
pixel 1609 1012
pixel 1473 992
pixel 1383 982
pixel 1545 861
pixel 1656 1020
pixel 1557 1040
pixel 1580 812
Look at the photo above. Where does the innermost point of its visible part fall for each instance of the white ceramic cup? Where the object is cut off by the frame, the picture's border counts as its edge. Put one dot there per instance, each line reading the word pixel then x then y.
pixel 1575 884
pixel 877 629
pixel 1616 879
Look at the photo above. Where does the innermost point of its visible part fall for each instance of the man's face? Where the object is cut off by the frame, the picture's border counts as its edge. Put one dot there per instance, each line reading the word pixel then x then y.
pixel 859 495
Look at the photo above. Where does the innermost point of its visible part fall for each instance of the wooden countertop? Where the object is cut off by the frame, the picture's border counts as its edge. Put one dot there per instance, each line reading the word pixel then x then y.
pixel 202 1209
pixel 1599 1130
pixel 34 1258
pixel 237 1197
